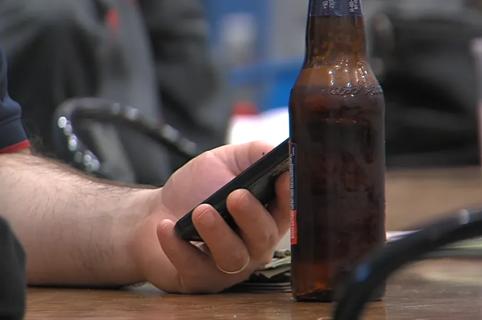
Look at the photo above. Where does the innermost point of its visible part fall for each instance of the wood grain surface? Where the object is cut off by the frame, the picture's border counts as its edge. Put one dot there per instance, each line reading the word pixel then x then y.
pixel 436 289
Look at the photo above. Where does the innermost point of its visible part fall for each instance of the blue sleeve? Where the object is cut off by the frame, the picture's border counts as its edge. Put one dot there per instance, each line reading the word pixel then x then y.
pixel 11 129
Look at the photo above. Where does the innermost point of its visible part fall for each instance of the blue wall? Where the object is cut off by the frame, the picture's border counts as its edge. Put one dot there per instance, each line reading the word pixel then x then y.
pixel 216 9
pixel 271 79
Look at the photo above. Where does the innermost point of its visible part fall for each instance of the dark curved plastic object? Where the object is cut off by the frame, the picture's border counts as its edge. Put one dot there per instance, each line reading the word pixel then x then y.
pixel 374 271
pixel 113 112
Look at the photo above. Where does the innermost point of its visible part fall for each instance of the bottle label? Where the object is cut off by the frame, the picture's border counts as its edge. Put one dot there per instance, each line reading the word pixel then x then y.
pixel 338 8
pixel 293 226
pixel 293 174
pixel 293 229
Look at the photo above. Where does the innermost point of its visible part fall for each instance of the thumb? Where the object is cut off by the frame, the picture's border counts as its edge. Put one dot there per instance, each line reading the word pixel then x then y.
pixel 239 157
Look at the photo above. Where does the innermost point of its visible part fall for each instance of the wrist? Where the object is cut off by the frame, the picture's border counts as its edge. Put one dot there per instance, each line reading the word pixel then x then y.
pixel 131 233
pixel 139 233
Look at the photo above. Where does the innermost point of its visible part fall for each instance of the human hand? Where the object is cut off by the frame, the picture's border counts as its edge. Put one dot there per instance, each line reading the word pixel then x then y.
pixel 226 258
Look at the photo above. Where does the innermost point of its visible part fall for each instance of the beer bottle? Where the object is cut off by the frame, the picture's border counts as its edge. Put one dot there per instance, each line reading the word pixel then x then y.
pixel 337 152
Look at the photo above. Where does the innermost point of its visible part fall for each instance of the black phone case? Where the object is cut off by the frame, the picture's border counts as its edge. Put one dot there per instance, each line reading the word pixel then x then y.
pixel 259 179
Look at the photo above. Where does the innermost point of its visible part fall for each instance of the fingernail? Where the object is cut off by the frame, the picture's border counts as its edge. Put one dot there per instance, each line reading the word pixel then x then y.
pixel 205 215
pixel 165 224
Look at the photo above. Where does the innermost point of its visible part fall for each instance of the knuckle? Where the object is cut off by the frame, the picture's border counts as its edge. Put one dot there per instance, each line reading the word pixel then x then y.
pixel 268 239
pixel 263 248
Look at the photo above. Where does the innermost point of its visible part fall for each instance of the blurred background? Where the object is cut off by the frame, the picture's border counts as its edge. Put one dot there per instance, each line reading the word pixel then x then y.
pixel 421 50
pixel 262 42
pixel 262 45
pixel 220 71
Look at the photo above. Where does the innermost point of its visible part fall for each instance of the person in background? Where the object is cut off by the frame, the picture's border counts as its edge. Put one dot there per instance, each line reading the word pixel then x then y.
pixel 150 54
pixel 422 57
pixel 79 231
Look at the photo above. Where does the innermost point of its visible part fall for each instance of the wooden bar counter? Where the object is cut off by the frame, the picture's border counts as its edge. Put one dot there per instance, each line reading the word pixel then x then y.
pixel 432 289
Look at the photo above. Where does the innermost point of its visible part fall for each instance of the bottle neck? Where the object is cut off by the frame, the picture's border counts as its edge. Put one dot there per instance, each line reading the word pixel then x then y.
pixel 335 32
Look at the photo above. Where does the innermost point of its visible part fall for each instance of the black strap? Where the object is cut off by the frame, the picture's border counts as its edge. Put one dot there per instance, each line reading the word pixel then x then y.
pixel 374 271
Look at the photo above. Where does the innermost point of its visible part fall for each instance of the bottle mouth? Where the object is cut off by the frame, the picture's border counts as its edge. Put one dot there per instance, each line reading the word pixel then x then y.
pixel 336 8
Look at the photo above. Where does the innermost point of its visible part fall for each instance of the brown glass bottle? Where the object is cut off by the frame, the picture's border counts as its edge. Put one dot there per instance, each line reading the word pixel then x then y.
pixel 337 153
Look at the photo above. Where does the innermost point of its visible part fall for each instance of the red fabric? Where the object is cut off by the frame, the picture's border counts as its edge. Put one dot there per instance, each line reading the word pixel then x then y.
pixel 16 147
pixel 112 19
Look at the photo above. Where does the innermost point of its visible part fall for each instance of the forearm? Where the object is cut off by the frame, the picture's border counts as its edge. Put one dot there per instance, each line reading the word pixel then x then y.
pixel 75 230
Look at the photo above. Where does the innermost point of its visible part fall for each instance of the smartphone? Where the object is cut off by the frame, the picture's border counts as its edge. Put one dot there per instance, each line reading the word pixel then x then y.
pixel 259 179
